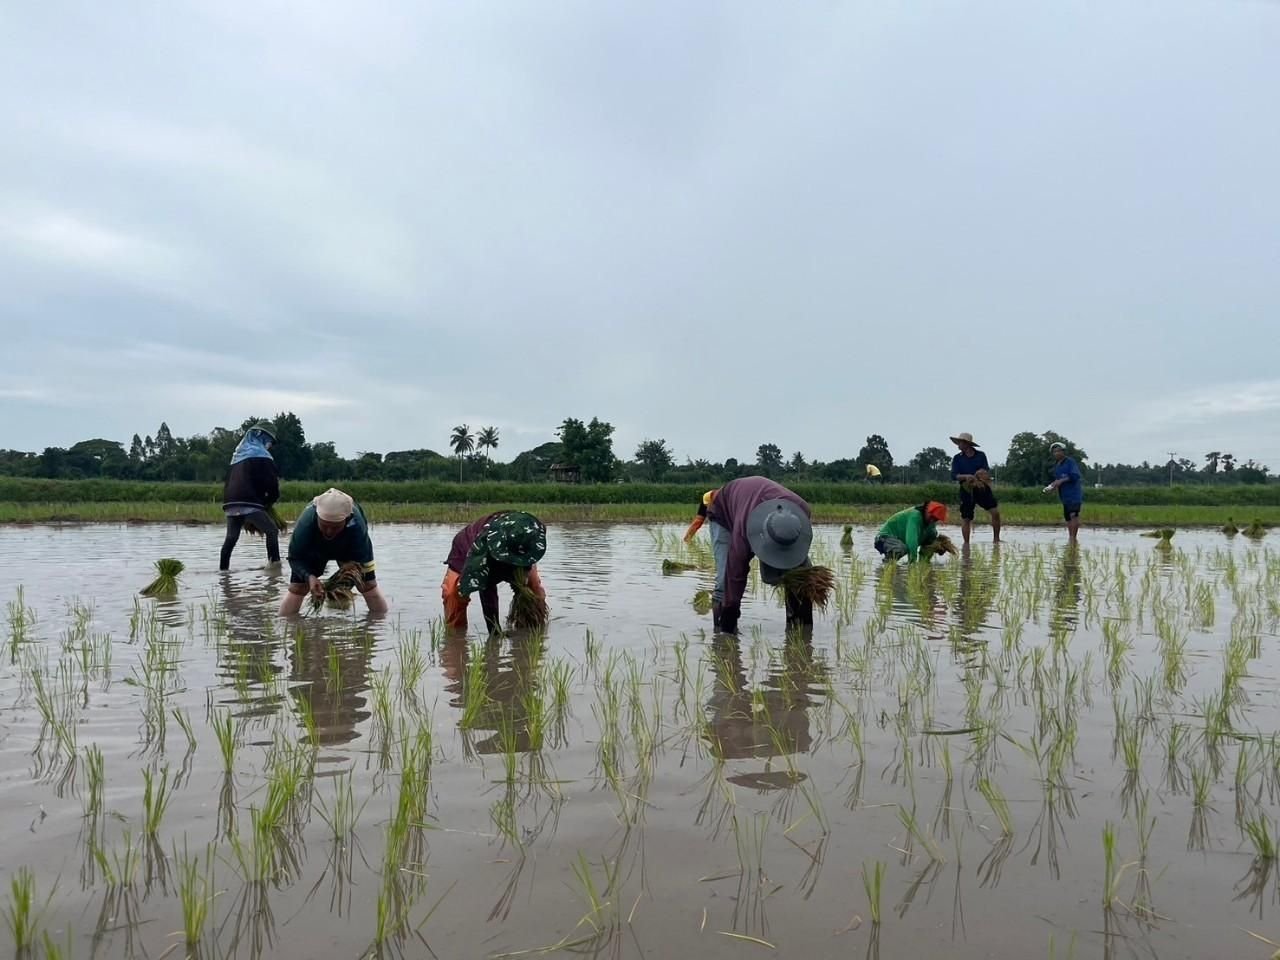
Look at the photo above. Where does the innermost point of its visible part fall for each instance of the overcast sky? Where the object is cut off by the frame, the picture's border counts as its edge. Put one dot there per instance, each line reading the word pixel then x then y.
pixel 720 224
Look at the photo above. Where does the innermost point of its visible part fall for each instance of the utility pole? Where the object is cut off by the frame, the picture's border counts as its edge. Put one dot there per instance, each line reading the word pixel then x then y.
pixel 1172 454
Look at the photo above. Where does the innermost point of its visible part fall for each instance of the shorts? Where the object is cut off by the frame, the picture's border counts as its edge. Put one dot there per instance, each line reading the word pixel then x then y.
pixel 316 569
pixel 981 496
pixel 891 547
pixel 1071 511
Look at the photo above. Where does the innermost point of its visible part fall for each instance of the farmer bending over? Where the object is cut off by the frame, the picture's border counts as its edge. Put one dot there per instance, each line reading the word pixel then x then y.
pixel 908 530
pixel 486 553
pixel 970 468
pixel 333 527
pixel 707 499
pixel 755 517
pixel 251 489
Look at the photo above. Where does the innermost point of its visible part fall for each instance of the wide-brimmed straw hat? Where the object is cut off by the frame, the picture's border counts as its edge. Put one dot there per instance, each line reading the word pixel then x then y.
pixel 965 438
pixel 779 533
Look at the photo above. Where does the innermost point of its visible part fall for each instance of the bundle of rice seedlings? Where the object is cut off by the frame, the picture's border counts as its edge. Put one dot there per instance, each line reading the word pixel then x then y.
pixel 528 610
pixel 938 546
pixel 1256 530
pixel 675 566
pixel 812 584
pixel 167 581
pixel 281 524
pixel 980 479
pixel 702 602
pixel 1230 528
pixel 846 538
pixel 340 589
pixel 1164 535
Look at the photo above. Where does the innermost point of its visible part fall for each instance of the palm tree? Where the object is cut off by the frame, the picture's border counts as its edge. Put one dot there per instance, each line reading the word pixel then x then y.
pixel 1211 461
pixel 487 439
pixel 463 443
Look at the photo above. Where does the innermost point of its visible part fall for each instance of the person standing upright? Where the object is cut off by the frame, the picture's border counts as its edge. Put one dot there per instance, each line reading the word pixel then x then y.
pixel 251 489
pixel 970 469
pixel 1070 486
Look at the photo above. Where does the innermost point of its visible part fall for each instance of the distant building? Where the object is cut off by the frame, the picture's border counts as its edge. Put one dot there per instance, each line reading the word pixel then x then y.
pixel 565 473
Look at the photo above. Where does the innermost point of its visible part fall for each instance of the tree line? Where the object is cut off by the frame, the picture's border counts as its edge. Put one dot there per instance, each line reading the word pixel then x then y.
pixel 585 450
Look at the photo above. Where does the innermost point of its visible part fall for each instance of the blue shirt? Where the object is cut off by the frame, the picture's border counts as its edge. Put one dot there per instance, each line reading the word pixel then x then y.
pixel 309 551
pixel 1073 490
pixel 970 465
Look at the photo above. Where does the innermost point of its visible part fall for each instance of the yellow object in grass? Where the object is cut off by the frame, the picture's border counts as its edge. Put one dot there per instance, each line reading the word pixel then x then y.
pixel 166 583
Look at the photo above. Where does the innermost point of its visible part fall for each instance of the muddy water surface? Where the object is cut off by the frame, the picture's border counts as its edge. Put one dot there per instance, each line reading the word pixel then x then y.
pixel 629 785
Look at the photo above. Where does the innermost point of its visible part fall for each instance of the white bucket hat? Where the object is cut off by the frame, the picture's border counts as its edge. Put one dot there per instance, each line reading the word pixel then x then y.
pixel 333 505
pixel 962 438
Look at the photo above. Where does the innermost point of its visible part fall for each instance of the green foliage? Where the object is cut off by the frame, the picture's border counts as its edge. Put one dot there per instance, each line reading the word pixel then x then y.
pixel 1029 462
pixel 590 446
pixel 769 459
pixel 656 458
pixel 876 451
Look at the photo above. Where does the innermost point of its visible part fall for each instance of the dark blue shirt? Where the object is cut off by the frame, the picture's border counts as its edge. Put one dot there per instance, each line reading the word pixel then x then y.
pixel 309 551
pixel 1073 490
pixel 960 464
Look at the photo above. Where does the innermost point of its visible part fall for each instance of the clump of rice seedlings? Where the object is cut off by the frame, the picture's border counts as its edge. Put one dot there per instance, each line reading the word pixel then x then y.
pixel 94 767
pixel 156 795
pixel 670 567
pixel 22 915
pixel 166 582
pixel 1230 528
pixel 872 883
pixel 1256 530
pixel 281 524
pixel 938 546
pixel 702 602
pixel 1111 872
pixel 812 584
pixel 528 608
pixel 340 588
pixel 475 688
pixel 999 805
pixel 1164 536
pixel 195 891
pixel 224 729
pixel 1261 833
pixel 846 538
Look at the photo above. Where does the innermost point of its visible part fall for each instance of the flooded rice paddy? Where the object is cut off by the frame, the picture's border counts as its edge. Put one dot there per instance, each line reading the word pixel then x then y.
pixel 1018 753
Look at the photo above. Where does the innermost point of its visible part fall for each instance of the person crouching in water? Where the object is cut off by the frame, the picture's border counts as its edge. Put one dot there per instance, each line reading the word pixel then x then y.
pixel 251 489
pixel 908 530
pixel 755 517
pixel 499 548
pixel 332 527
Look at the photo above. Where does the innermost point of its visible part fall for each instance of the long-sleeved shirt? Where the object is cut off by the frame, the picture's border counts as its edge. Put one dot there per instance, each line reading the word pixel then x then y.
pixel 309 550
pixel 1072 490
pixel 253 482
pixel 463 541
pixel 910 527
pixel 730 508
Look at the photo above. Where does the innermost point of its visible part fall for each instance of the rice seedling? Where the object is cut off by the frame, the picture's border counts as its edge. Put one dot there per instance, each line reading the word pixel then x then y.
pixel 224 729
pixel 340 588
pixel 95 773
pixel 1111 866
pixel 1260 831
pixel 812 584
pixel 1163 538
pixel 195 892
pixel 156 795
pixel 999 805
pixel 1230 528
pixel 1255 530
pixel 908 820
pixel 702 602
pixel 22 913
pixel 873 884
pixel 166 582
pixel 938 546
pixel 846 538
pixel 528 607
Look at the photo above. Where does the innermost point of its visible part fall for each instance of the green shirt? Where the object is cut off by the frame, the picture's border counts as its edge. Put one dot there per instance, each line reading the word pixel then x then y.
pixel 909 526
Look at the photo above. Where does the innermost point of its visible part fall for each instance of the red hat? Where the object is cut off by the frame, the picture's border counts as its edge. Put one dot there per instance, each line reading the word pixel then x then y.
pixel 935 511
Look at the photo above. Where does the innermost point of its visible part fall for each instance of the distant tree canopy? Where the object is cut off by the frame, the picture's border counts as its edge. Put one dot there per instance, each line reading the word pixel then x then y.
pixel 589 445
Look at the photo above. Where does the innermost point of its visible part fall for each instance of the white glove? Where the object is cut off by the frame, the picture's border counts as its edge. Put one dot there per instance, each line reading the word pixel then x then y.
pixel 1048 489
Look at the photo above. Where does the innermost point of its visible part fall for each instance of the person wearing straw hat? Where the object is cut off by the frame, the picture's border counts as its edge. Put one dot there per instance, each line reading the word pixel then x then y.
pixel 1070 486
pixel 332 527
pixel 251 489
pixel 970 469
pixel 492 550
pixel 908 530
pixel 755 517
pixel 701 517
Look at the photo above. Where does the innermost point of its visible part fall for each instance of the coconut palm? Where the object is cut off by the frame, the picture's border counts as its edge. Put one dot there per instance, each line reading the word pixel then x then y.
pixel 486 440
pixel 463 443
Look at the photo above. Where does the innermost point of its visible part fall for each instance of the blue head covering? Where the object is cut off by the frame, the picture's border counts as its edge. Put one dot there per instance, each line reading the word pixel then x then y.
pixel 253 445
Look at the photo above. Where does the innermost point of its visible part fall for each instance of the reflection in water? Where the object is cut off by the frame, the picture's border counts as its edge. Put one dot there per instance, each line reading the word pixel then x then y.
pixel 502 690
pixel 979 584
pixel 329 675
pixel 771 720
